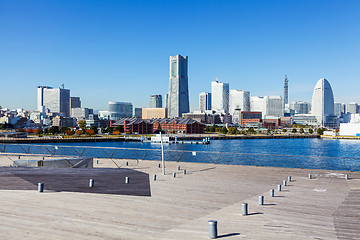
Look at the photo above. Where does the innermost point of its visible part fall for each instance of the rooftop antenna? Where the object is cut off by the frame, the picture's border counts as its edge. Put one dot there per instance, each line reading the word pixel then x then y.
pixel 63 86
pixel 216 79
pixel 286 90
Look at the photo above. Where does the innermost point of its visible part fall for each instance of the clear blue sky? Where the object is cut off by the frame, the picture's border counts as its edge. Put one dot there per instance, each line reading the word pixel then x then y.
pixel 119 50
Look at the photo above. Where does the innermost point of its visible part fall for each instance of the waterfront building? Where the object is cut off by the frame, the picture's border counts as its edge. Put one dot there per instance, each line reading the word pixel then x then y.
pixel 300 107
pixel 156 101
pixel 57 100
pixel 247 117
pixel 352 125
pixel 339 109
pixel 117 110
pixel 352 108
pixel 238 100
pixel 305 119
pixel 220 96
pixel 207 117
pixel 204 101
pixel 60 121
pixel 322 106
pixel 178 101
pixel 149 113
pixel 135 125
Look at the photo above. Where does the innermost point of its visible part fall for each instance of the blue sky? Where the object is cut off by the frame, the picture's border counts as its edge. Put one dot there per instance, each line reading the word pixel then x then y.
pixel 119 50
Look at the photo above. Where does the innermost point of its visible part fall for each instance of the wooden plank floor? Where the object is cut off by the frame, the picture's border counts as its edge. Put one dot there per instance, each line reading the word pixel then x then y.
pixel 326 207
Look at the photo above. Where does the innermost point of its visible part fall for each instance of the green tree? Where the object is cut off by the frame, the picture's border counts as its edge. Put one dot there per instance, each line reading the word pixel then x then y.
pixel 39 131
pixel 232 130
pixel 63 129
pixel 109 130
pixel 311 131
pixel 54 130
pixel 301 130
pixel 268 131
pixel 320 131
pixel 284 130
pixel 94 129
pixel 251 130
pixel 82 125
pixel 294 130
pixel 223 130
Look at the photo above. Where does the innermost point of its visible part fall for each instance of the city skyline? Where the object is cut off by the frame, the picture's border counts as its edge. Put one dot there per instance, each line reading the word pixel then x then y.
pixel 50 43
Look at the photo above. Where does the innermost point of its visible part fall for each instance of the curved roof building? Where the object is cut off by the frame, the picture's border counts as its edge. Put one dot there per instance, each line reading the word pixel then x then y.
pixel 322 101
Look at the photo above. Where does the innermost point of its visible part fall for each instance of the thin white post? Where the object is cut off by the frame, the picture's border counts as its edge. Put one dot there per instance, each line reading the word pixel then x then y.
pixel 162 154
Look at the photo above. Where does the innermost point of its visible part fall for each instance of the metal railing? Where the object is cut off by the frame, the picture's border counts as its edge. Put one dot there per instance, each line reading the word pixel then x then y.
pixel 235 158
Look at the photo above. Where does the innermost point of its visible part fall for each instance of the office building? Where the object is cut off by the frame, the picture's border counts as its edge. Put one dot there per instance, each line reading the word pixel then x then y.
pixel 138 112
pixel 204 101
pixel 156 101
pixel 239 100
pixel 81 113
pixel 352 108
pixel 322 106
pixel 339 109
pixel 270 106
pixel 57 100
pixel 150 113
pixel 178 101
pixel 220 97
pixel 300 107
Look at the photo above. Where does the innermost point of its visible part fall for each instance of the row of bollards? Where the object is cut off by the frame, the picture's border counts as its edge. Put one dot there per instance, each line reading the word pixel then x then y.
pixel 244 210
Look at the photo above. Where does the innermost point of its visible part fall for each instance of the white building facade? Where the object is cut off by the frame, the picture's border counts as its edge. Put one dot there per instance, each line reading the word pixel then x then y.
pixel 204 101
pixel 322 106
pixel 239 99
pixel 220 97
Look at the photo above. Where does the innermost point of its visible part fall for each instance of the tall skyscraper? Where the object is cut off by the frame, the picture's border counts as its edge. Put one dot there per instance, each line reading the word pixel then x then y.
pixel 220 96
pixel 322 105
pixel 156 101
pixel 239 99
pixel 204 101
pixel 166 101
pixel 57 100
pixel 339 109
pixel 286 90
pixel 178 102
pixel 300 107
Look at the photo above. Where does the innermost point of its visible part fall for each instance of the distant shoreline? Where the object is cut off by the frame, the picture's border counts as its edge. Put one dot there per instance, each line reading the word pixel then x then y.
pixel 136 139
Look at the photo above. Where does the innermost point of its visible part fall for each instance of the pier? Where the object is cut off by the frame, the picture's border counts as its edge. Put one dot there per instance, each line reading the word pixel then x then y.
pixel 324 207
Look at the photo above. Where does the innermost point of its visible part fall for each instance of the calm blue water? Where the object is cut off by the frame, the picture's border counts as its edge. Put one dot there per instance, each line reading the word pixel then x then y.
pixel 295 153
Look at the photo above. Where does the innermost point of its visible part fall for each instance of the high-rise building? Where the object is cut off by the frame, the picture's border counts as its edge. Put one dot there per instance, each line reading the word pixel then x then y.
pixel 239 99
pixel 220 96
pixel 204 101
pixel 270 106
pixel 156 101
pixel 178 102
pixel 352 108
pixel 57 100
pixel 166 101
pixel 339 109
pixel 81 113
pixel 286 90
pixel 75 102
pixel 300 107
pixel 138 112
pixel 322 106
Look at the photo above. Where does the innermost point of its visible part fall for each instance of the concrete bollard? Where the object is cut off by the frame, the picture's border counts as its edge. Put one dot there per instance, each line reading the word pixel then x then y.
pixel 261 200
pixel 178 168
pixel 310 176
pixel 159 165
pixel 40 187
pixel 154 178
pixel 289 178
pixel 346 177
pixel 127 164
pixel 279 187
pixel 91 183
pixel 244 209
pixel 126 180
pixel 184 171
pixel 174 175
pixel 284 182
pixel 271 192
pixel 212 229
pixel 97 161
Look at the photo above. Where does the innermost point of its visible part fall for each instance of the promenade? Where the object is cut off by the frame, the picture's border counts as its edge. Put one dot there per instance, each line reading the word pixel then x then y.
pixel 325 207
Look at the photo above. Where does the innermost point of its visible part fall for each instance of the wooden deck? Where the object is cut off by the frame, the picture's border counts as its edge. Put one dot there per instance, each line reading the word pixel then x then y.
pixel 326 207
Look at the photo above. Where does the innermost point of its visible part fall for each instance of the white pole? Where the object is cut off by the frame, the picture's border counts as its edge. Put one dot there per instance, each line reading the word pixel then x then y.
pixel 162 154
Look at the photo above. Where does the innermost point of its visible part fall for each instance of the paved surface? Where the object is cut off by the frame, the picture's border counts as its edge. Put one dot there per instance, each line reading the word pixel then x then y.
pixel 326 207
